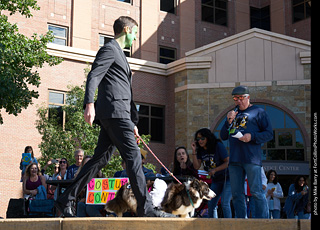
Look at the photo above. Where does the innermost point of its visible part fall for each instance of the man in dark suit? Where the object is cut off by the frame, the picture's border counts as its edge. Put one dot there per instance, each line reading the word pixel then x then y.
pixel 116 113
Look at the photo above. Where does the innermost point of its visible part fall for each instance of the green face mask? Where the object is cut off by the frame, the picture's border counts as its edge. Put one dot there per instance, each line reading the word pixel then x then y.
pixel 130 37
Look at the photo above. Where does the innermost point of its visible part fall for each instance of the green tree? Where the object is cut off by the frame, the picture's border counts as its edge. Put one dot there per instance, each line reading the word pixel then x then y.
pixel 58 141
pixel 18 57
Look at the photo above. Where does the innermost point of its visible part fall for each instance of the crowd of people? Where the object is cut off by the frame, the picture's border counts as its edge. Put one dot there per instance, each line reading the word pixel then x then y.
pixel 209 154
pixel 214 159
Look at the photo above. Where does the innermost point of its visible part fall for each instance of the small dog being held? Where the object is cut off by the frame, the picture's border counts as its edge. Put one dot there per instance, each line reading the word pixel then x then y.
pixel 178 199
pixel 182 199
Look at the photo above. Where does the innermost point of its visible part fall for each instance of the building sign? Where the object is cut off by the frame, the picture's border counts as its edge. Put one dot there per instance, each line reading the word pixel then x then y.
pixel 287 168
pixel 101 190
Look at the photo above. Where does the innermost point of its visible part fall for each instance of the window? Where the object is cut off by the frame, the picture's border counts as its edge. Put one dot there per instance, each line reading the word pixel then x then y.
pixel 151 121
pixel 103 39
pixel 287 143
pixel 167 55
pixel 168 6
pixel 60 34
pixel 56 101
pixel 127 1
pixel 214 11
pixel 260 18
pixel 301 10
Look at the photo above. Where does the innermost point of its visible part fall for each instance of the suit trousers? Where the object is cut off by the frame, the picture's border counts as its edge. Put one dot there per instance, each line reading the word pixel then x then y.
pixel 115 133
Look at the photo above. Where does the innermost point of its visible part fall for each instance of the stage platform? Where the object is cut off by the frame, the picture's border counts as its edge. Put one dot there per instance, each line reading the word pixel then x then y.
pixel 152 224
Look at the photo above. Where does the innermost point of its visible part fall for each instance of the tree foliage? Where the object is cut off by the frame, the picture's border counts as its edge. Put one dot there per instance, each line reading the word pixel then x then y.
pixel 20 57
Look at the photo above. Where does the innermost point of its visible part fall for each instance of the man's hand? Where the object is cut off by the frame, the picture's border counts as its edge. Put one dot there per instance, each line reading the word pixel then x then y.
pixel 89 113
pixel 212 172
pixel 135 131
pixel 231 116
pixel 246 137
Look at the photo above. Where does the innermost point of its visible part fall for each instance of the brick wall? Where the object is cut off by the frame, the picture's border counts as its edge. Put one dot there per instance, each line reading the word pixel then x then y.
pixel 157 90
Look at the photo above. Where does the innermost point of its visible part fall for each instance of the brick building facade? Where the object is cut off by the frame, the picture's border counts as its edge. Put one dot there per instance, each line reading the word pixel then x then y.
pixel 193 91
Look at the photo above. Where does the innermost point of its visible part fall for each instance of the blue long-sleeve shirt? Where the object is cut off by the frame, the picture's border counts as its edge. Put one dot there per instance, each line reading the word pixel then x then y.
pixel 295 202
pixel 253 120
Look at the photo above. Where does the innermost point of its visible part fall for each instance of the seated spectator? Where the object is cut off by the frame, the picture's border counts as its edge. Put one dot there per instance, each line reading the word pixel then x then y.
pixel 56 171
pixel 118 173
pixel 147 172
pixel 83 209
pixel 72 170
pixel 27 158
pixel 51 188
pixel 32 180
pixel 297 199
pixel 62 175
pixel 63 171
pixel 182 165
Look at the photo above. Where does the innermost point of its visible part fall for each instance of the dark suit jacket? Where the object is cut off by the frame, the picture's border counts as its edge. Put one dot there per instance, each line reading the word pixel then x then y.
pixel 111 73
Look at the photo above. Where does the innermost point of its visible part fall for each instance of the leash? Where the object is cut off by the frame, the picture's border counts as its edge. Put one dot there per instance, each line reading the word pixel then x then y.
pixel 190 198
pixel 171 174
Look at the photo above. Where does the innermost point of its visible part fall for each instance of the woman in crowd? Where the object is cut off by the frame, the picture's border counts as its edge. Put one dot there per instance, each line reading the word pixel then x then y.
pixel 23 163
pixel 56 171
pixel 297 200
pixel 182 165
pixel 62 175
pixel 63 165
pixel 210 151
pixel 32 180
pixel 273 194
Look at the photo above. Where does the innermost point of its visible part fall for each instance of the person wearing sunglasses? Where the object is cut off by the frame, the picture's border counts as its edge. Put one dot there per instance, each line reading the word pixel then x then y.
pixel 247 127
pixel 63 169
pixel 211 153
pixel 62 174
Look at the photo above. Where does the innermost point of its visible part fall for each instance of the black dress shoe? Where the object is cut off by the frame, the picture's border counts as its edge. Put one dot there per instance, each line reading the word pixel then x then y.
pixel 67 211
pixel 158 213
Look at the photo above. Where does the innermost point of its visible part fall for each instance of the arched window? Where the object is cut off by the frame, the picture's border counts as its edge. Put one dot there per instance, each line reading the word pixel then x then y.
pixel 287 144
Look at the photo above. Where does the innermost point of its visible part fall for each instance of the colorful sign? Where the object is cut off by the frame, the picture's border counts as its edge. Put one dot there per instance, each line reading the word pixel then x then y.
pixel 26 158
pixel 101 190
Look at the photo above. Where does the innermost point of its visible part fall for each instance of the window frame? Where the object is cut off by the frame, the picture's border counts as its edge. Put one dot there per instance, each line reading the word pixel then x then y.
pixel 150 116
pixel 174 7
pixel 58 104
pixel 304 3
pixel 261 19
pixel 214 8
pixel 130 1
pixel 167 58
pixel 127 52
pixel 58 37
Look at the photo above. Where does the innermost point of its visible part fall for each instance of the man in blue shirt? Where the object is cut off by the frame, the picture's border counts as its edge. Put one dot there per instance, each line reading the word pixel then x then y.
pixel 247 127
pixel 72 170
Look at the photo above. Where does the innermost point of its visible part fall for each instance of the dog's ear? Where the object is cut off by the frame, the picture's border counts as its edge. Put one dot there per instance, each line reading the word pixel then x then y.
pixel 196 184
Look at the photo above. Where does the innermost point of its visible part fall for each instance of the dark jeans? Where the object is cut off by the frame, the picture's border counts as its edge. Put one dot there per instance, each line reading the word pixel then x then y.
pixel 114 133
